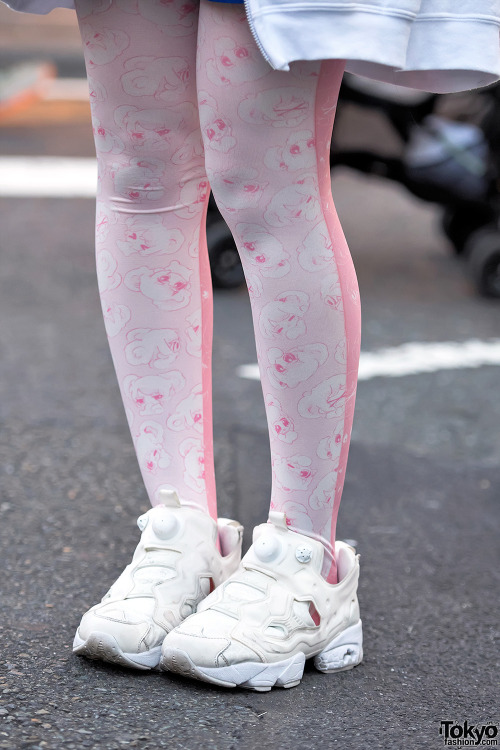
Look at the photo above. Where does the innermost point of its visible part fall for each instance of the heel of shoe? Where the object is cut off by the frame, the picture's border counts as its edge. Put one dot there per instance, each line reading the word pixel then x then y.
pixel 344 652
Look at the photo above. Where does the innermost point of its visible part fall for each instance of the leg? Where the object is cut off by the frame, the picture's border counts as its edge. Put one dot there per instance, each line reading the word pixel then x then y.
pixel 152 261
pixel 155 286
pixel 267 135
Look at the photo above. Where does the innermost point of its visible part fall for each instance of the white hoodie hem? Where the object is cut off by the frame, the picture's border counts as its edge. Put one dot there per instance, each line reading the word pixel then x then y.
pixel 440 55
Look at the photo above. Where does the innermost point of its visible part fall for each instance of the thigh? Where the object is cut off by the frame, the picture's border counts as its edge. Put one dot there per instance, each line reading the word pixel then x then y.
pixel 140 58
pixel 246 106
pixel 229 69
pixel 264 130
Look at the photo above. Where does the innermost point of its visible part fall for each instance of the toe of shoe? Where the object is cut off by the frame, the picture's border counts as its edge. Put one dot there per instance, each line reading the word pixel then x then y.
pixel 130 637
pixel 227 663
pixel 204 644
pixel 116 643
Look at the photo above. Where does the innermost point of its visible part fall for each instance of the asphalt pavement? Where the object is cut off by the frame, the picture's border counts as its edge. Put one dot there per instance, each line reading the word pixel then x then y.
pixel 421 494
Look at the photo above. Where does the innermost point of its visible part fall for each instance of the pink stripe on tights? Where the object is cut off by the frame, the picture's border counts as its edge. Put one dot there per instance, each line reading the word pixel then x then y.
pixel 326 100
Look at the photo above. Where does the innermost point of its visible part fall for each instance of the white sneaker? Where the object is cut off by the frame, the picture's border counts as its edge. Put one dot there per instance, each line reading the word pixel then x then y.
pixel 175 565
pixel 258 628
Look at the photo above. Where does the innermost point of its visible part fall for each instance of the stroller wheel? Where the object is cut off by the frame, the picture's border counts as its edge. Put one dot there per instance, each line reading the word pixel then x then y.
pixel 225 264
pixel 482 251
pixel 459 221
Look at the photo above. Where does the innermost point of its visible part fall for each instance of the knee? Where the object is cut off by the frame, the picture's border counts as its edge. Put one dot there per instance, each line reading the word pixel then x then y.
pixel 237 191
pixel 150 155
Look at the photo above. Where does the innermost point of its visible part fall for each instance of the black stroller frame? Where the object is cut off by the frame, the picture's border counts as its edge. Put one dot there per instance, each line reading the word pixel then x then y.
pixel 465 184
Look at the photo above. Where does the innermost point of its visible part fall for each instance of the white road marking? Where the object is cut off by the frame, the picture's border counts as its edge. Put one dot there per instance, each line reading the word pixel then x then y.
pixel 414 358
pixel 48 176
pixel 70 89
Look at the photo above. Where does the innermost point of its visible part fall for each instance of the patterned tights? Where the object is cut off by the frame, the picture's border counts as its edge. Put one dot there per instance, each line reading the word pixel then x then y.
pixel 183 101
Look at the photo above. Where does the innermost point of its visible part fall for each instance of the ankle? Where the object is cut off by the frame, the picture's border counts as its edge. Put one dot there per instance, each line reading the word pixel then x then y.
pixel 329 570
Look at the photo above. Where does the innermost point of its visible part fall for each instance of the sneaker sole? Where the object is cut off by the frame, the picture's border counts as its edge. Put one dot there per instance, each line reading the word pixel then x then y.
pixel 344 652
pixel 104 647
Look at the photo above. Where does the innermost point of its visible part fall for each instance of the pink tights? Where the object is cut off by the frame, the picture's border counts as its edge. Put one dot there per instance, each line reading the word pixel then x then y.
pixel 183 101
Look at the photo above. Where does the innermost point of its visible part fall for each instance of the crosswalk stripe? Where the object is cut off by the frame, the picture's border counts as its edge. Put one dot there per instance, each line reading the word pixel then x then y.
pixel 414 358
pixel 48 176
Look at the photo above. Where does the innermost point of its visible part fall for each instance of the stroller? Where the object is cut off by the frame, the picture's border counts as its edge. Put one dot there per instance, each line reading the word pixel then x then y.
pixel 452 163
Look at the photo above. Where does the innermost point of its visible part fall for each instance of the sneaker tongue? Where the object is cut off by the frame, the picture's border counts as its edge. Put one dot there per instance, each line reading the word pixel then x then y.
pixel 170 498
pixel 278 519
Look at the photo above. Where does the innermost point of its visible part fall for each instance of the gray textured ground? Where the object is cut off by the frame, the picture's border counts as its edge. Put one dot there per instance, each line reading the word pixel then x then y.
pixel 421 496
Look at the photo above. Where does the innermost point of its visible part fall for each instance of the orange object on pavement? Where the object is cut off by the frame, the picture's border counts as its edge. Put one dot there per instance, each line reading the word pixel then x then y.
pixel 23 84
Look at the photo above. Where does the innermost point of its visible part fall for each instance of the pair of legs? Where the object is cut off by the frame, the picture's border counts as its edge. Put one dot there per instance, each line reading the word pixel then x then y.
pixel 183 101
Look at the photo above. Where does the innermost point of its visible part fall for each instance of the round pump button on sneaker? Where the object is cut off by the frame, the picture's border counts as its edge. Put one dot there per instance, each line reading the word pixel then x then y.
pixel 303 553
pixel 165 525
pixel 267 548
